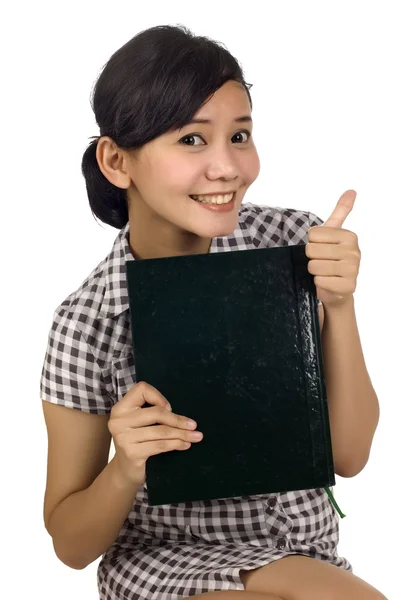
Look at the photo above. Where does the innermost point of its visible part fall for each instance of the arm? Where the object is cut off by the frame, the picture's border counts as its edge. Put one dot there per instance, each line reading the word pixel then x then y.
pixel 86 500
pixel 352 401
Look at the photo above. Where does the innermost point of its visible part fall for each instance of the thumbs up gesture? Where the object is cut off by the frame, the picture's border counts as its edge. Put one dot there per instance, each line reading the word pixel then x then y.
pixel 334 255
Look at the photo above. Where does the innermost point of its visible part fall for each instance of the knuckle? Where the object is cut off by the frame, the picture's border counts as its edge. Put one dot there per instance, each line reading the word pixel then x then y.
pixel 159 414
pixel 141 387
pixel 162 411
pixel 112 426
pixel 353 268
pixel 164 431
pixel 161 444
pixel 182 422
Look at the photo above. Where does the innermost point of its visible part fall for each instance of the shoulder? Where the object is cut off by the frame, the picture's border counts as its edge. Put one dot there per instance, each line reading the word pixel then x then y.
pixel 276 226
pixel 82 306
pixel 92 319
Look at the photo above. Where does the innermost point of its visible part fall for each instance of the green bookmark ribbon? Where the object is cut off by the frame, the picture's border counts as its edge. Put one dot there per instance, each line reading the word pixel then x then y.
pixel 329 493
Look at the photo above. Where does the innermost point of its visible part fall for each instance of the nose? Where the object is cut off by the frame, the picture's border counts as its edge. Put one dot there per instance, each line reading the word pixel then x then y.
pixel 223 165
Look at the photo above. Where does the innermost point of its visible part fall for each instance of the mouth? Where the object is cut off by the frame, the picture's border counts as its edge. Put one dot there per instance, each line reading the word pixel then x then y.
pixel 216 200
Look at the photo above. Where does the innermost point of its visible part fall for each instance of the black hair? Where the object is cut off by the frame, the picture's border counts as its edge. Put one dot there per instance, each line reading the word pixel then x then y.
pixel 154 83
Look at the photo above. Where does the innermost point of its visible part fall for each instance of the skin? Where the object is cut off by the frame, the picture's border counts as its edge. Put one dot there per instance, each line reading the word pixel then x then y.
pixel 220 157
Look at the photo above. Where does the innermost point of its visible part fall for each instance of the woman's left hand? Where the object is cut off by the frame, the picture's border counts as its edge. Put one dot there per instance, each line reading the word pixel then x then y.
pixel 334 255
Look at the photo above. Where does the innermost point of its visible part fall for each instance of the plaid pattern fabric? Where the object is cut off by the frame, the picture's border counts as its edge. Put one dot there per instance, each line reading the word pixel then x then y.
pixel 174 551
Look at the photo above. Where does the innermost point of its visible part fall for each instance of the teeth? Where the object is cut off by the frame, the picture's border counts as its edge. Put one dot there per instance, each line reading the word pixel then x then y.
pixel 214 199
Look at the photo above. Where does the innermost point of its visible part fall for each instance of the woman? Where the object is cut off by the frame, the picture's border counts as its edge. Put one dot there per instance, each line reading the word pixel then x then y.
pixel 161 91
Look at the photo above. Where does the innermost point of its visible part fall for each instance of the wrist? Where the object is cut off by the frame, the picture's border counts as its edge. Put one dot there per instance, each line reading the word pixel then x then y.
pixel 343 306
pixel 118 479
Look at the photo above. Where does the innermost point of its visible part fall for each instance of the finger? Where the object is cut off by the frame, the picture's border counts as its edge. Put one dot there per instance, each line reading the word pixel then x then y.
pixel 155 414
pixel 336 285
pixel 327 268
pixel 163 432
pixel 137 396
pixel 148 416
pixel 326 249
pixel 146 449
pixel 343 208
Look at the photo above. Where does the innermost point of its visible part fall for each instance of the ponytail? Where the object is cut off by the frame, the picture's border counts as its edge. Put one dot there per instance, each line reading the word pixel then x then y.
pixel 107 202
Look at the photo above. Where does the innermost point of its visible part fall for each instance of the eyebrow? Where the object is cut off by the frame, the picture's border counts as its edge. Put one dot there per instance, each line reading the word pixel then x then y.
pixel 244 119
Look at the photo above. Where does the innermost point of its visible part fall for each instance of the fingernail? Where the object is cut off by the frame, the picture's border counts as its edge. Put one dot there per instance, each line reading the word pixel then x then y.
pixel 169 407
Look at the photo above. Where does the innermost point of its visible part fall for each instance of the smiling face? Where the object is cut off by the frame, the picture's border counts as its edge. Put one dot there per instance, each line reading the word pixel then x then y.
pixel 201 158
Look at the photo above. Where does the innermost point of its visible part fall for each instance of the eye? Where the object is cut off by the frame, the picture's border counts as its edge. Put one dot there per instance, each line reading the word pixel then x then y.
pixel 244 131
pixel 194 135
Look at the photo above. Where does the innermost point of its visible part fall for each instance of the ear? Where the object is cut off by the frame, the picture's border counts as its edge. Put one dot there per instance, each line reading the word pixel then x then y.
pixel 112 162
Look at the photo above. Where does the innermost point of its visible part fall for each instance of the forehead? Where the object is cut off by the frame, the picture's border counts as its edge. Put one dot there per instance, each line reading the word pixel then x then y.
pixel 229 103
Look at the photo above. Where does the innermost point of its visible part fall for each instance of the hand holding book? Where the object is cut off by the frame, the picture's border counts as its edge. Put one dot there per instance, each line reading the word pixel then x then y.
pixel 334 255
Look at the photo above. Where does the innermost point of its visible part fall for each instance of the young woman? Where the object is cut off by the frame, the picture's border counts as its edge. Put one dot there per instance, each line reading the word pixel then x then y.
pixel 169 170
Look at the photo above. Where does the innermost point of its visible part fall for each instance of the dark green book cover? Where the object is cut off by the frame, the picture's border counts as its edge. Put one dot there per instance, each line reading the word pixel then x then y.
pixel 232 340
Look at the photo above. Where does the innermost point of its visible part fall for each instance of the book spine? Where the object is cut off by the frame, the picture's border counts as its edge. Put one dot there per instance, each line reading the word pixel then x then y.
pixel 316 329
pixel 315 388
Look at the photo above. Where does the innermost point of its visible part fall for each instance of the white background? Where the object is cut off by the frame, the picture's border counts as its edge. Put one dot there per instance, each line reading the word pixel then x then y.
pixel 325 120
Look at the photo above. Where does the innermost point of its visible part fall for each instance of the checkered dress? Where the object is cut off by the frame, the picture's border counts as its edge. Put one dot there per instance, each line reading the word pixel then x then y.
pixel 173 551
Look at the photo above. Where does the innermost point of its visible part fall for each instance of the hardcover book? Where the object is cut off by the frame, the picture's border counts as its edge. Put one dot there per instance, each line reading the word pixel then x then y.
pixel 232 340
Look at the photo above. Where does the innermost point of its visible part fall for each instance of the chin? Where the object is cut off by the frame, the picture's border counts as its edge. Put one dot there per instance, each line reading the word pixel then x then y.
pixel 220 231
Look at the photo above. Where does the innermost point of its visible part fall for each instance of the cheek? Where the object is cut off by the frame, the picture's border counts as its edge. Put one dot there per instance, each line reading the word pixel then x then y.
pixel 252 166
pixel 248 165
pixel 177 175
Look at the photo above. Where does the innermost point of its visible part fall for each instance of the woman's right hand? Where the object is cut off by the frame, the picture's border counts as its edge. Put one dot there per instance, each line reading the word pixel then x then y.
pixel 136 435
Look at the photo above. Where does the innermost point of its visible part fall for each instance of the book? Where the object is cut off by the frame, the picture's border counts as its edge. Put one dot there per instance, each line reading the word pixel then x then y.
pixel 232 340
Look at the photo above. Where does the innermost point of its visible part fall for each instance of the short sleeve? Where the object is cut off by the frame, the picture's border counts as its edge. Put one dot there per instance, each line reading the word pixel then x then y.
pixel 314 220
pixel 71 375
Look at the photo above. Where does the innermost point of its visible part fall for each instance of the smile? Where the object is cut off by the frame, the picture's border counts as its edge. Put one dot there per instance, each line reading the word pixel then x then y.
pixel 213 199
